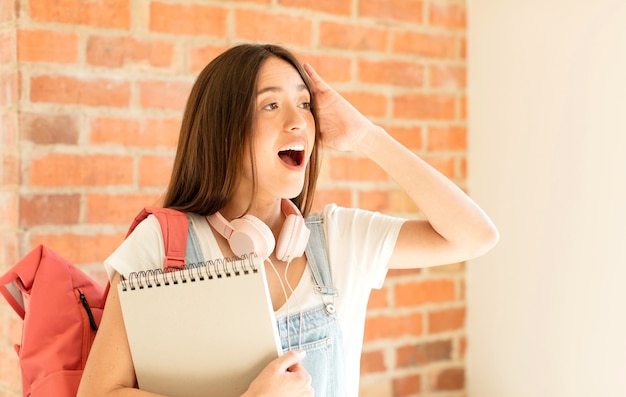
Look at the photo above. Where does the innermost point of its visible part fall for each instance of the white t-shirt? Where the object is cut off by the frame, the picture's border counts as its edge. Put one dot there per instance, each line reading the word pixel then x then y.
pixel 359 242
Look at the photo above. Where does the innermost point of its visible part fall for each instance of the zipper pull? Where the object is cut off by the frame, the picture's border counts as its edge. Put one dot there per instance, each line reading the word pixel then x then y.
pixel 92 321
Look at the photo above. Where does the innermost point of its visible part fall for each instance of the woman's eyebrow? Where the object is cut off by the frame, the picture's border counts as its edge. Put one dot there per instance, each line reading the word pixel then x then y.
pixel 300 87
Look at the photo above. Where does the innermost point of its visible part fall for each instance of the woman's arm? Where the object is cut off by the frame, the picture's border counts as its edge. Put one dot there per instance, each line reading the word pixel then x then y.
pixel 110 373
pixel 455 228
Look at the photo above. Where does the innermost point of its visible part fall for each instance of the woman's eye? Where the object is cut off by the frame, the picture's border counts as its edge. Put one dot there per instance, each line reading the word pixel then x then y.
pixel 271 106
pixel 306 105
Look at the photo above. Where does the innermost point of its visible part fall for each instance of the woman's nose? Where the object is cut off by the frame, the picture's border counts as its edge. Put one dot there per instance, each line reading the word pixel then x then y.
pixel 295 118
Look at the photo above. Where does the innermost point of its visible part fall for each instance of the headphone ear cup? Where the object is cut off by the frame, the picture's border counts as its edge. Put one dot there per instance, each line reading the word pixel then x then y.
pixel 293 238
pixel 251 235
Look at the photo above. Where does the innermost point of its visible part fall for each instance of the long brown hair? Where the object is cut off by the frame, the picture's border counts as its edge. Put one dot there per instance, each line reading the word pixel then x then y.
pixel 217 128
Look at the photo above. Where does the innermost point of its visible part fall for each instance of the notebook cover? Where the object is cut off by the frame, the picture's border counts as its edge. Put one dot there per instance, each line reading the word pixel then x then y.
pixel 202 337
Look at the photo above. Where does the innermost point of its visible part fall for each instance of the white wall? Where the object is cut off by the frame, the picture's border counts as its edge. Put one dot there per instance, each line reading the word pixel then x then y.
pixel 547 115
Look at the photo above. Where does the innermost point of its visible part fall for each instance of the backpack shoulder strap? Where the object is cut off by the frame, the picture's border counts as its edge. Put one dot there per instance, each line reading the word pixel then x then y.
pixel 174 226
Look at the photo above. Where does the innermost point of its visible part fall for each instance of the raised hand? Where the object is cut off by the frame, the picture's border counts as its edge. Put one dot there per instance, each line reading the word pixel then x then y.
pixel 343 127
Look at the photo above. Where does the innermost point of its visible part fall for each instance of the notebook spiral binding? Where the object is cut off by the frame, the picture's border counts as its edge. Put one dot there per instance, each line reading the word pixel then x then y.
pixel 217 268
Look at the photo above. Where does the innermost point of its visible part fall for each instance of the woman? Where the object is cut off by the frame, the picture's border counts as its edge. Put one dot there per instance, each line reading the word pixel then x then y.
pixel 249 146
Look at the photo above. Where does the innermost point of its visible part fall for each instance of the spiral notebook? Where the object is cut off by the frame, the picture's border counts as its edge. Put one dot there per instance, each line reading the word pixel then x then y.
pixel 206 330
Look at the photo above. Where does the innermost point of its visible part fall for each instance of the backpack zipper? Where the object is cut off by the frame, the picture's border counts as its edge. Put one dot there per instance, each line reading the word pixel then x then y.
pixel 92 321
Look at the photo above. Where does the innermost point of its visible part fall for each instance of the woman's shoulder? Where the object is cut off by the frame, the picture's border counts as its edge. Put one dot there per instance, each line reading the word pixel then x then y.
pixel 336 213
pixel 331 212
pixel 141 250
pixel 341 222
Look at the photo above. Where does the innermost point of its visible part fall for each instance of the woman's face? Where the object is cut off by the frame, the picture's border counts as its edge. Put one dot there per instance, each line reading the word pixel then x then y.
pixel 283 131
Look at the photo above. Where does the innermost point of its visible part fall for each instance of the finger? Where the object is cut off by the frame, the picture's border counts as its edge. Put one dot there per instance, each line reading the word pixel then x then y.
pixel 290 359
pixel 300 372
pixel 297 367
pixel 317 80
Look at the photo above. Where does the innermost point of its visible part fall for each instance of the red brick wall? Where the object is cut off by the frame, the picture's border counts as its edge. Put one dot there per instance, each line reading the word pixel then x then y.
pixel 91 95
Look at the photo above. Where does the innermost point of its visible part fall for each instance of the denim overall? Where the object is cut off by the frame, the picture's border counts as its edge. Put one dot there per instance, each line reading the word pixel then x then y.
pixel 320 334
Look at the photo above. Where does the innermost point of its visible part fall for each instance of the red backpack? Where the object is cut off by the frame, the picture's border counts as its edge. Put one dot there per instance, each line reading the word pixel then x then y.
pixel 62 307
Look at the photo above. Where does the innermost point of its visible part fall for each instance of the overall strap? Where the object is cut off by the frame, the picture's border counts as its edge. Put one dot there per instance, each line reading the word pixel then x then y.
pixel 193 253
pixel 318 258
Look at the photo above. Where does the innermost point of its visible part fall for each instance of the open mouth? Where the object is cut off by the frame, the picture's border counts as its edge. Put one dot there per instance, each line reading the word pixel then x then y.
pixel 293 157
pixel 292 154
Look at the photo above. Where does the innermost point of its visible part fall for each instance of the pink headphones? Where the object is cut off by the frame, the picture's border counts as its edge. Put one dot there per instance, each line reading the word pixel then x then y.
pixel 249 234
